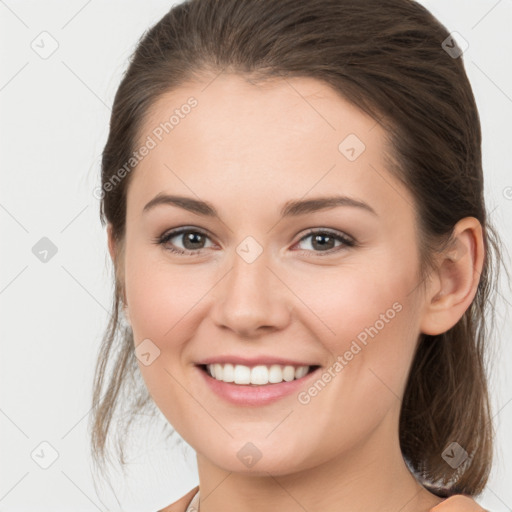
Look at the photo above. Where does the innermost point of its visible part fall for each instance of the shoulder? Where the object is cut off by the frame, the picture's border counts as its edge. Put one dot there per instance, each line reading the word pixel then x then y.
pixel 458 503
pixel 182 503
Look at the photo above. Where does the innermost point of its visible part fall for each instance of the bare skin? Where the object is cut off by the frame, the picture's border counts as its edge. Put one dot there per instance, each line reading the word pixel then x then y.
pixel 247 150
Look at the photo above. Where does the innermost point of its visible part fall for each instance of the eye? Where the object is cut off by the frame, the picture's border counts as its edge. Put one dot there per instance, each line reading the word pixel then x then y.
pixel 193 240
pixel 324 241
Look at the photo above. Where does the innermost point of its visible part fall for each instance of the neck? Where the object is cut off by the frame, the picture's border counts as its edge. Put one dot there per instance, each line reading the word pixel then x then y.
pixel 369 477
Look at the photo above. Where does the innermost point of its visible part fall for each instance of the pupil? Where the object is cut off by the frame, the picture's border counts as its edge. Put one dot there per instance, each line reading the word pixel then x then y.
pixel 322 245
pixel 190 238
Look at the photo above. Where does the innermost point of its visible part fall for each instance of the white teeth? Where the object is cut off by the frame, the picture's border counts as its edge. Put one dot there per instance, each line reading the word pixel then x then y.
pixel 257 375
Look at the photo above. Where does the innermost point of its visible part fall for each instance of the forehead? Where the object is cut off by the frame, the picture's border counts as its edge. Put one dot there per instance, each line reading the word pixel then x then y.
pixel 292 108
pixel 282 137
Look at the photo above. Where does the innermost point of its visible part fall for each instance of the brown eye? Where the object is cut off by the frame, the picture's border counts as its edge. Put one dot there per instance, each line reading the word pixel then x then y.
pixel 325 241
pixel 193 241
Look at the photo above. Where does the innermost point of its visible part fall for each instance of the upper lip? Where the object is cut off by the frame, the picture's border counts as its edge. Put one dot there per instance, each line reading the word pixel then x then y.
pixel 254 361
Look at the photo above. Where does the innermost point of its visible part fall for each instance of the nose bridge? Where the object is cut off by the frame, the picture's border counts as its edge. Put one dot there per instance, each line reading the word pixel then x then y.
pixel 251 296
pixel 250 269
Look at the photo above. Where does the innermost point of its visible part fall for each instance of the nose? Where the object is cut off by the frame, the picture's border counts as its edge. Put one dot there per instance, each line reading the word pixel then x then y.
pixel 251 300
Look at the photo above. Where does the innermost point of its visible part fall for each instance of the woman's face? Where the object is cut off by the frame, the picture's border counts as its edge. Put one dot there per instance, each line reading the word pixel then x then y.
pixel 335 287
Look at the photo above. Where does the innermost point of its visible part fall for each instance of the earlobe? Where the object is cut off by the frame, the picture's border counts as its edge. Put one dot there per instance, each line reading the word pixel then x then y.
pixel 116 255
pixel 111 242
pixel 455 281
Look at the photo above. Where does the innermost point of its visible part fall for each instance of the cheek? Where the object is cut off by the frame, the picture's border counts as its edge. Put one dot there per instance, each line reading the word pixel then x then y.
pixel 161 295
pixel 371 334
pixel 349 298
pixel 163 303
pixel 366 315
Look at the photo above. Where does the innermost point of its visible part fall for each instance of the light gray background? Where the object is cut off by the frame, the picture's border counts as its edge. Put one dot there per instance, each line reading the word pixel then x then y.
pixel 54 123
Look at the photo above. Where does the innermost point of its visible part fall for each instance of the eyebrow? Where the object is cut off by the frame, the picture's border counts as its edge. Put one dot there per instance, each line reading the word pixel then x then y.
pixel 289 209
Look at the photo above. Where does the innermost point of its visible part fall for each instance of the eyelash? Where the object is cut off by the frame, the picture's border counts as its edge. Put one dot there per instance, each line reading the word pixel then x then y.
pixel 346 241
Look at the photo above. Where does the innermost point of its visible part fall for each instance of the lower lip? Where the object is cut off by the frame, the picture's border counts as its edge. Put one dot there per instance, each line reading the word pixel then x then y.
pixel 253 395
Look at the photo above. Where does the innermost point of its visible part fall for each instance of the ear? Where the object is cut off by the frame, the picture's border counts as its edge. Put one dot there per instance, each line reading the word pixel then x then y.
pixel 111 243
pixel 113 250
pixel 453 285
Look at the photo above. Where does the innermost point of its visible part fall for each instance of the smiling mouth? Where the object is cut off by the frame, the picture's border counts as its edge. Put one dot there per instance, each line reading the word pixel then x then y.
pixel 259 375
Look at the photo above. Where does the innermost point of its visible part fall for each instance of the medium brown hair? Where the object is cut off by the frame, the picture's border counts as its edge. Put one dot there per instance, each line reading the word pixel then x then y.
pixel 387 58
